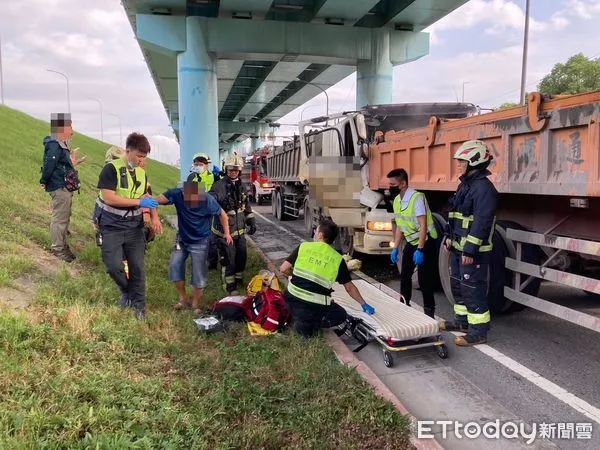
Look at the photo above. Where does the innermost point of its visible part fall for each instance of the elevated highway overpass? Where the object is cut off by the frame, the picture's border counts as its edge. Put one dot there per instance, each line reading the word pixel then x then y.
pixel 226 69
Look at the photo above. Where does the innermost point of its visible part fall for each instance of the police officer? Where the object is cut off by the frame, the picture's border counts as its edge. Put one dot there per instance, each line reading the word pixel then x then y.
pixel 230 195
pixel 316 266
pixel 471 224
pixel 123 186
pixel 414 224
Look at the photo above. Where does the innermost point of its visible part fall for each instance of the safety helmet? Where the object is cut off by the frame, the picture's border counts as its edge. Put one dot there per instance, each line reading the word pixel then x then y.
pixel 234 161
pixel 113 153
pixel 202 156
pixel 474 151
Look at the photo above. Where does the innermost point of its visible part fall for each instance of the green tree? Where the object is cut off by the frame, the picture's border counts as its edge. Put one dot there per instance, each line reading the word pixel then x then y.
pixel 579 74
pixel 506 106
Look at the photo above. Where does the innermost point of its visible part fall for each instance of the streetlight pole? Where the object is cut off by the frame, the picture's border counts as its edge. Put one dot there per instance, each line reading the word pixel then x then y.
pixel 68 92
pixel 120 129
pixel 101 126
pixel 321 89
pixel 1 76
pixel 525 45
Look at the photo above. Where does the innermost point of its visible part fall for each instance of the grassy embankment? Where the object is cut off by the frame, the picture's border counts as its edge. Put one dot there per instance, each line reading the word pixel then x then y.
pixel 77 372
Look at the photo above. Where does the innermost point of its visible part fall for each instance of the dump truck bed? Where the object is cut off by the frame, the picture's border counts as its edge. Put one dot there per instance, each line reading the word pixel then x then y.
pixel 283 163
pixel 548 147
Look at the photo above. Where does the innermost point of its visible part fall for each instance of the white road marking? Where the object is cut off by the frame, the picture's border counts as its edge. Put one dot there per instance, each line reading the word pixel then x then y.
pixel 546 385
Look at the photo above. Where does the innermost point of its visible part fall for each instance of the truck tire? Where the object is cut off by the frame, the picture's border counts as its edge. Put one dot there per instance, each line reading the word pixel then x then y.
pixel 346 241
pixel 499 275
pixel 274 203
pixel 279 214
pixel 308 219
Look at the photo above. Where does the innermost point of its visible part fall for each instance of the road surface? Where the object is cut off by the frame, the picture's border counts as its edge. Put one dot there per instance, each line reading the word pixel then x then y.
pixel 536 370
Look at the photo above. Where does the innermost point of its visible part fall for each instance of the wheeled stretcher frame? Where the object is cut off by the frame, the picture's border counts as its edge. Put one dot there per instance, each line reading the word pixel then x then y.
pixel 410 329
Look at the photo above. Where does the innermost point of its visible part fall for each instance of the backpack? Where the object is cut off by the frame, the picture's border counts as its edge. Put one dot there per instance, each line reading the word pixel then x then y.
pixel 235 308
pixel 269 311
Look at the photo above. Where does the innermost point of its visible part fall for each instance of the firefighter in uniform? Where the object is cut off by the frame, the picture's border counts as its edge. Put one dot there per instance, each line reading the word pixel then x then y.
pixel 315 267
pixel 471 224
pixel 201 175
pixel 414 224
pixel 230 195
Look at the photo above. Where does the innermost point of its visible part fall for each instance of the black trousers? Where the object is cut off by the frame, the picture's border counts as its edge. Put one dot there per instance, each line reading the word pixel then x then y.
pixel 426 272
pixel 129 245
pixel 233 262
pixel 213 252
pixel 309 318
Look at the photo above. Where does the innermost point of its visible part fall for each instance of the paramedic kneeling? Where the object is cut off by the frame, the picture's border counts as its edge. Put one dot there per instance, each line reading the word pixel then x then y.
pixel 316 266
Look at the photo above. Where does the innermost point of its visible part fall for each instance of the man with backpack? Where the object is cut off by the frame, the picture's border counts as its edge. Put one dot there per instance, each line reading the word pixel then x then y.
pixel 59 178
pixel 314 267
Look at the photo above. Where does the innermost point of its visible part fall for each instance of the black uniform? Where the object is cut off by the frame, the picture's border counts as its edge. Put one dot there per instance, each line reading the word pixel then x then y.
pixel 234 201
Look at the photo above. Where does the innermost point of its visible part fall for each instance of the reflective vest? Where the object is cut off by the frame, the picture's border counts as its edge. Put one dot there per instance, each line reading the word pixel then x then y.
pixel 206 178
pixel 461 226
pixel 126 189
pixel 408 222
pixel 317 262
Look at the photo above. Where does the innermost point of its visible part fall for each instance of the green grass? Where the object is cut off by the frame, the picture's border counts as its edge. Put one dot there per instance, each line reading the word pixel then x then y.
pixel 77 372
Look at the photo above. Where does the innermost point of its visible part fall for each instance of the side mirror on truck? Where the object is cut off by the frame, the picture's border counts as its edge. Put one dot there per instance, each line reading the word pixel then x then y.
pixel 361 127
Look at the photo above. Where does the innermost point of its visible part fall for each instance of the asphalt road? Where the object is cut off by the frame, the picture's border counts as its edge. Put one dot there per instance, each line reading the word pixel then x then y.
pixel 535 368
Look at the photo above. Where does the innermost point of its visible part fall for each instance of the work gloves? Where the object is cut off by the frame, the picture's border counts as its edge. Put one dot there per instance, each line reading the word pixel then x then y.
pixel 368 309
pixel 394 255
pixel 148 202
pixel 418 257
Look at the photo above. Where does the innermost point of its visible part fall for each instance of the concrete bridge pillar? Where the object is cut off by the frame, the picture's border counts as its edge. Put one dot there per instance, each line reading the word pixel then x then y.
pixel 197 98
pixel 374 76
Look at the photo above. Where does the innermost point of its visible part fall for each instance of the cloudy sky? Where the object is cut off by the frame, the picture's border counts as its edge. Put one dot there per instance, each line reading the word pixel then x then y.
pixel 479 44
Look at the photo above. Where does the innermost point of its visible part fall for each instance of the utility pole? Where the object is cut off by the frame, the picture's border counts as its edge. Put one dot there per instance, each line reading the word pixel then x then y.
pixel 68 93
pixel 1 75
pixel 463 90
pixel 525 45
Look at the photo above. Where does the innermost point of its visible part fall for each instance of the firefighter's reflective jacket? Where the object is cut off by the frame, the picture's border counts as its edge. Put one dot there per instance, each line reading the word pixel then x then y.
pixel 233 199
pixel 472 216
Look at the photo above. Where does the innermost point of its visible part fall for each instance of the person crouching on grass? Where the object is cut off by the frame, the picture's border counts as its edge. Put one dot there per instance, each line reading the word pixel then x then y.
pixel 195 209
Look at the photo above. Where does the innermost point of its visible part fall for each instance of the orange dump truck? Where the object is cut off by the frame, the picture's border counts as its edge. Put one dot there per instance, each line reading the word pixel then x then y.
pixel 546 168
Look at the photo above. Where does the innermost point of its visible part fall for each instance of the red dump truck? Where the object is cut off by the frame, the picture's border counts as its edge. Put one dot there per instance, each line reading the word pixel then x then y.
pixel 546 168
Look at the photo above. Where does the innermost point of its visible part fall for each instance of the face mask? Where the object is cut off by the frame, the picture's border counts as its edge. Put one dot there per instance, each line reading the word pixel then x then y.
pixel 201 169
pixel 195 169
pixel 394 191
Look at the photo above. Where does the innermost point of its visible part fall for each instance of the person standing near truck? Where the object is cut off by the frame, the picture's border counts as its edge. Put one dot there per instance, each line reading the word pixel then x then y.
pixel 414 224
pixel 471 224
pixel 230 195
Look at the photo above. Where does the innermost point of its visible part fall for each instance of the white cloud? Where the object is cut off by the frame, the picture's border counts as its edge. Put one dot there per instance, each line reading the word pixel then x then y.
pixel 584 9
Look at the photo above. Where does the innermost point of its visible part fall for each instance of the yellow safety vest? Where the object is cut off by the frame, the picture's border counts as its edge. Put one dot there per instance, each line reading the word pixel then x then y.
pixel 407 220
pixel 125 188
pixel 206 178
pixel 317 262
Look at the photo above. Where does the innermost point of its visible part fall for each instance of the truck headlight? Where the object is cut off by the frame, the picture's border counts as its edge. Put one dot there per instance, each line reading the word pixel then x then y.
pixel 265 185
pixel 379 226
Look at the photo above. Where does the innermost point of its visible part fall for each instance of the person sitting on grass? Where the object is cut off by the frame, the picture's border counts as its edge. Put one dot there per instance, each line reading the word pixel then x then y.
pixel 195 209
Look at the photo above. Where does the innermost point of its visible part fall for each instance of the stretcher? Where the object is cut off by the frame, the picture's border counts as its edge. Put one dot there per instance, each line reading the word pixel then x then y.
pixel 396 326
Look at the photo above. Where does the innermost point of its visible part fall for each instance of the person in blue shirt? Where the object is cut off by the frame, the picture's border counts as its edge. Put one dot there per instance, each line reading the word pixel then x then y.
pixel 195 209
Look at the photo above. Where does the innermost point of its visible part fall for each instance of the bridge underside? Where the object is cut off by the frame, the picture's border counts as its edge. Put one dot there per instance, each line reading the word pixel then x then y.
pixel 225 69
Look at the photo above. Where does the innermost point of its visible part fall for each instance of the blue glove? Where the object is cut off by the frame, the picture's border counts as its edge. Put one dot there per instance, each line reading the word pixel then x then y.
pixel 216 171
pixel 148 202
pixel 394 255
pixel 368 309
pixel 418 257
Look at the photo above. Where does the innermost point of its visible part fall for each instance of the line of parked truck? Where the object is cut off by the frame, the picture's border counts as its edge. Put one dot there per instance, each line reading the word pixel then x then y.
pixel 546 168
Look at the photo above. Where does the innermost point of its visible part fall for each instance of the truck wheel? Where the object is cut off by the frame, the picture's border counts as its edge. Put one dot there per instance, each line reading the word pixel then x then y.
pixel 346 241
pixel 274 203
pixel 499 276
pixel 308 219
pixel 279 208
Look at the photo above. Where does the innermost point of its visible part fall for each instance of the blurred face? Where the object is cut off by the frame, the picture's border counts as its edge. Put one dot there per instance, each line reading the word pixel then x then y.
pixel 201 167
pixel 462 165
pixel 193 194
pixel 65 132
